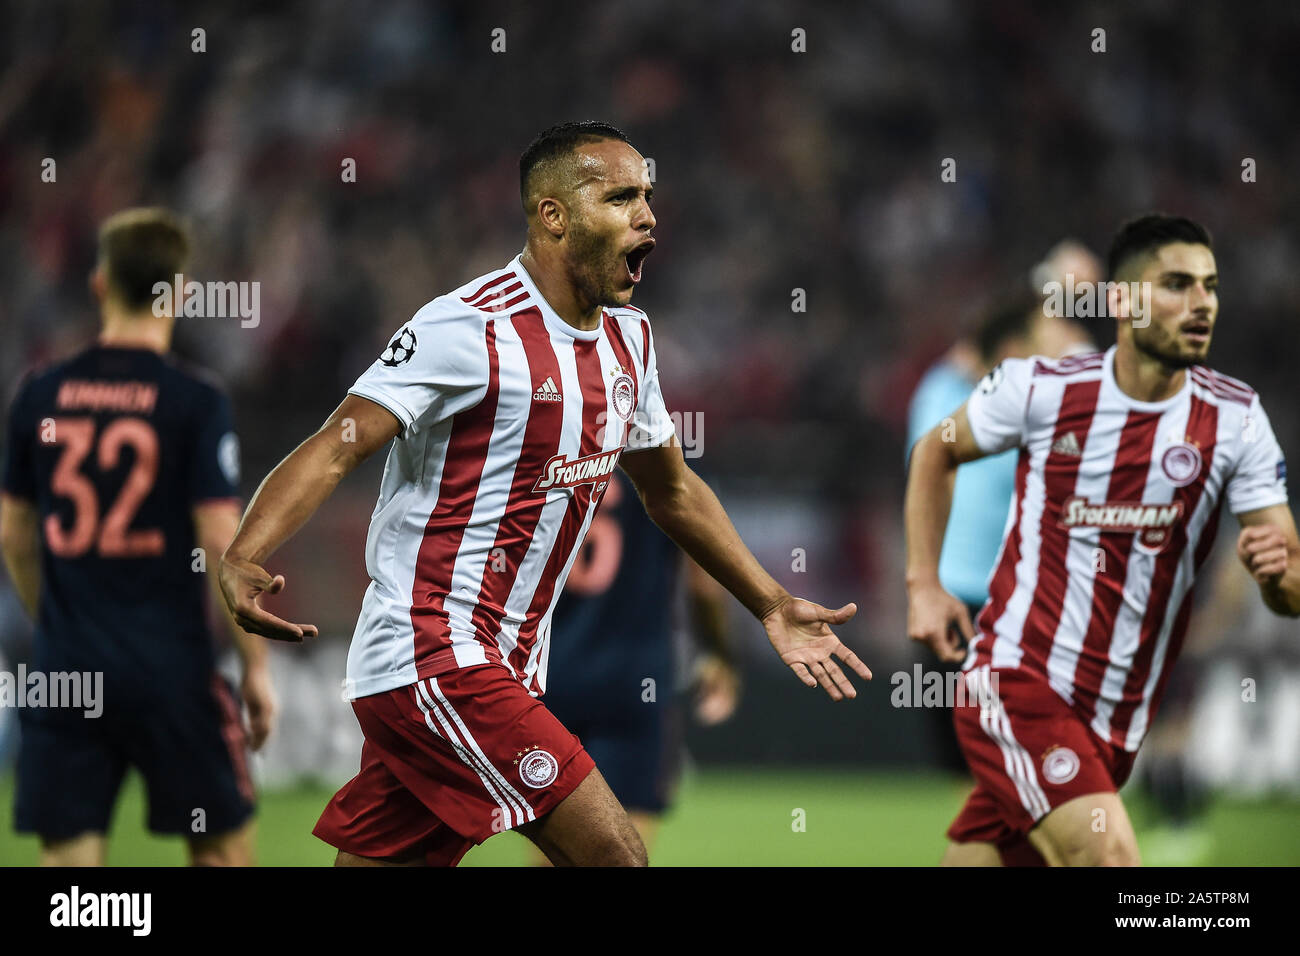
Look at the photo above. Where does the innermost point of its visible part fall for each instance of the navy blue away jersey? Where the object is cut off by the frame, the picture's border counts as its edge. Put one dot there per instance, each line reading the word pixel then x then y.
pixel 115 447
pixel 613 625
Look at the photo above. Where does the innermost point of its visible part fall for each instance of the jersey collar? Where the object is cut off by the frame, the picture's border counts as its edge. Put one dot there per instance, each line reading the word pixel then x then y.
pixel 549 315
pixel 1109 383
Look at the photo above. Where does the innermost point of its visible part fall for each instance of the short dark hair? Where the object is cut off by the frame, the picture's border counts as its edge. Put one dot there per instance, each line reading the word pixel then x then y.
pixel 560 140
pixel 1148 233
pixel 140 248
pixel 1010 316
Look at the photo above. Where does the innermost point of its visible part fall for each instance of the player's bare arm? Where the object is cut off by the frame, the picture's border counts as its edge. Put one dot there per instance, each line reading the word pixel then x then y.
pixel 215 523
pixel 1270 550
pixel 287 497
pixel 684 507
pixel 20 539
pixel 933 613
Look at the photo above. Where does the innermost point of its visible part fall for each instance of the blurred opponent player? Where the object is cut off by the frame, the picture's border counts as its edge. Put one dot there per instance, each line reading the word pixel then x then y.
pixel 615 627
pixel 511 398
pixel 120 463
pixel 1126 460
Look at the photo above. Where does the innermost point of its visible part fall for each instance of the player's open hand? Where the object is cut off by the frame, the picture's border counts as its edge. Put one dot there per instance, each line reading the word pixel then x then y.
pixel 940 621
pixel 1262 549
pixel 242 584
pixel 801 633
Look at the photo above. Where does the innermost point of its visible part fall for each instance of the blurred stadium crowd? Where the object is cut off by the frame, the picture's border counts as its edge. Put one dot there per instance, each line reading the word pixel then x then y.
pixel 775 171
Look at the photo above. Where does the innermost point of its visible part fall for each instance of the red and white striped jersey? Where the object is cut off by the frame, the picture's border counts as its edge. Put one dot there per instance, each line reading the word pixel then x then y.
pixel 1115 510
pixel 512 424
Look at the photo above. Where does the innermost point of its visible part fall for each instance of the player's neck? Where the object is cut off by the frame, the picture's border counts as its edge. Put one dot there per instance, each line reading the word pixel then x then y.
pixel 136 330
pixel 559 292
pixel 1145 378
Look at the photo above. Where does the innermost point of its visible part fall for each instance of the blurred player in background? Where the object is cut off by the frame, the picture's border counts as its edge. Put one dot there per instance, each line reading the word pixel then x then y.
pixel 615 627
pixel 1126 460
pixel 511 398
pixel 1017 326
pixel 121 462
pixel 1069 263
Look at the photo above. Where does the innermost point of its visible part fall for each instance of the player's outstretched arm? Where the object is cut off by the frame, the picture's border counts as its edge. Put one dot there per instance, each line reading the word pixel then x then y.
pixel 287 497
pixel 681 504
pixel 1270 550
pixel 933 613
pixel 20 541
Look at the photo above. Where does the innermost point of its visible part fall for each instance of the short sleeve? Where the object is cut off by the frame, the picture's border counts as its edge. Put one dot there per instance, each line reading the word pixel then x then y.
pixel 1259 479
pixel 653 426
pixel 433 367
pixel 214 473
pixel 997 407
pixel 20 450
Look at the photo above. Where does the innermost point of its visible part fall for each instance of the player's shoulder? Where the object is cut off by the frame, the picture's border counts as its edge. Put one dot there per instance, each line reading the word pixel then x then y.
pixel 942 378
pixel 44 377
pixel 634 326
pixel 629 317
pixel 38 377
pixel 1078 367
pixel 502 291
pixel 466 310
pixel 1222 390
pixel 191 376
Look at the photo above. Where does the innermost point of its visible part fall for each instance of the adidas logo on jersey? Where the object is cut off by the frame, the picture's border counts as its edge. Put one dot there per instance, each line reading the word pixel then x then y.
pixel 1067 444
pixel 547 392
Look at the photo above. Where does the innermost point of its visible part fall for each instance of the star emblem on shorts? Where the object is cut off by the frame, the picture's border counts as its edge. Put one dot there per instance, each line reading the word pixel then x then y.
pixel 519 753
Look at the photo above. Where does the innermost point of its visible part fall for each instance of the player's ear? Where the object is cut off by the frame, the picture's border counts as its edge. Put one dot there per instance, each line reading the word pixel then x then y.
pixel 553 216
pixel 97 282
pixel 1117 300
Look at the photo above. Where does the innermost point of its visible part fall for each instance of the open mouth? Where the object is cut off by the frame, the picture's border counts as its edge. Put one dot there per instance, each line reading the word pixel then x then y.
pixel 636 256
pixel 1197 331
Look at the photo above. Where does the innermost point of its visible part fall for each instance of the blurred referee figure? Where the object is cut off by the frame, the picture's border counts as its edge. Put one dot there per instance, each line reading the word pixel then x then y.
pixel 121 463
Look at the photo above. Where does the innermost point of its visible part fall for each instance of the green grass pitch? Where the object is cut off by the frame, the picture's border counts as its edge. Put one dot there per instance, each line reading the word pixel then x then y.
pixel 745 817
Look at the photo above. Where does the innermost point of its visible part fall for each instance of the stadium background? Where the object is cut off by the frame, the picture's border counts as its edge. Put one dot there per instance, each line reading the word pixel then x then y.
pixel 775 171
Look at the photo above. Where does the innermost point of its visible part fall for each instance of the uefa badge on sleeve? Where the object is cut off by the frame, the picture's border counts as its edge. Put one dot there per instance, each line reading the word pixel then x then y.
pixel 399 350
pixel 990 382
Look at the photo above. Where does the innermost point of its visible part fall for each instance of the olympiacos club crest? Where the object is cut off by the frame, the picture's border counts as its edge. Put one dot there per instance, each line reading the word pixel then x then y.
pixel 1181 463
pixel 623 399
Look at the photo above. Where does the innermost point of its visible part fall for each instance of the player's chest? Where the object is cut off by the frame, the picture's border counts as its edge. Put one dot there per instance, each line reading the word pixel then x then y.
pixel 1122 456
pixel 565 397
